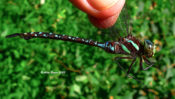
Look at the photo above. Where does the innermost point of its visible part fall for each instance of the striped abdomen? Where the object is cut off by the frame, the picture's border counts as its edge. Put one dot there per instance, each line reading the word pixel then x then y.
pixel 30 35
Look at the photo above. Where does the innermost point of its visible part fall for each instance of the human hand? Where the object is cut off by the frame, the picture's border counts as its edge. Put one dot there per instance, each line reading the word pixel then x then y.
pixel 101 13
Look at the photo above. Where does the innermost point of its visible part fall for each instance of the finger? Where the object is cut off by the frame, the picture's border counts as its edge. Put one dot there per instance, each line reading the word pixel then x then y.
pixel 97 9
pixel 102 13
pixel 103 23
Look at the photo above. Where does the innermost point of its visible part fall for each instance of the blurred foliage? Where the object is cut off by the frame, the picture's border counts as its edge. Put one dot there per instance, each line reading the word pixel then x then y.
pixel 81 71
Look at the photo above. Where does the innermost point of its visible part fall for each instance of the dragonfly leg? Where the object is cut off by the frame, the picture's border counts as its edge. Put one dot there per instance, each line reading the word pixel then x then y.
pixel 148 63
pixel 148 67
pixel 131 65
pixel 119 58
pixel 134 59
pixel 141 63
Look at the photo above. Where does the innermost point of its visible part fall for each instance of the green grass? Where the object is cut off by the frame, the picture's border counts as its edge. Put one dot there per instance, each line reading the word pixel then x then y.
pixel 21 61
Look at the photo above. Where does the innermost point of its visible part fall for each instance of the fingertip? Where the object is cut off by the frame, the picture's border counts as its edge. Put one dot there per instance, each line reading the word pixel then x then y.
pixel 103 23
pixel 107 22
pixel 101 14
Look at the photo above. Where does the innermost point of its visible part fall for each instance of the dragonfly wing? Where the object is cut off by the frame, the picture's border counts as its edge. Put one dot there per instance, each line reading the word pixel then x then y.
pixel 121 28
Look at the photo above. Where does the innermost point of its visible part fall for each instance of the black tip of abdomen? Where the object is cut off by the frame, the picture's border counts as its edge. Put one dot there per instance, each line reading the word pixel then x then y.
pixel 12 35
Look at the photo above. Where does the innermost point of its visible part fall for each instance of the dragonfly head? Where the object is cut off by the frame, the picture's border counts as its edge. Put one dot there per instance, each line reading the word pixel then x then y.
pixel 149 48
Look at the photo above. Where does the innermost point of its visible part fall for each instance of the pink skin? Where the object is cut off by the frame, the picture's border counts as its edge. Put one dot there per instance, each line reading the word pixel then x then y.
pixel 101 13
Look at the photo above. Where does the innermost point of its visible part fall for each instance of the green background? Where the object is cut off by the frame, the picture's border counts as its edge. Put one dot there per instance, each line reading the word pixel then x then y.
pixel 82 71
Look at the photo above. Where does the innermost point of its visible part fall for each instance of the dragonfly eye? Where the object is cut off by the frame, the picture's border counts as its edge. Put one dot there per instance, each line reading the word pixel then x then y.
pixel 149 48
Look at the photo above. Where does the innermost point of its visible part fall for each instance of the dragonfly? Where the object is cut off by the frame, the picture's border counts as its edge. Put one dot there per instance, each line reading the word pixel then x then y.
pixel 129 45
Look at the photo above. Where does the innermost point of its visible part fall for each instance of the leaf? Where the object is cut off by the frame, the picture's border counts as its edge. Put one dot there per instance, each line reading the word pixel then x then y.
pixel 82 78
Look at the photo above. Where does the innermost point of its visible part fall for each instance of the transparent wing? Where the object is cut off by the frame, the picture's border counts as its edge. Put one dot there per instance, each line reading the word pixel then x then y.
pixel 121 27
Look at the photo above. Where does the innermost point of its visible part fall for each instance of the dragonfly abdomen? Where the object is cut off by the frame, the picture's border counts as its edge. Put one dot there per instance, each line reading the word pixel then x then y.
pixel 63 37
